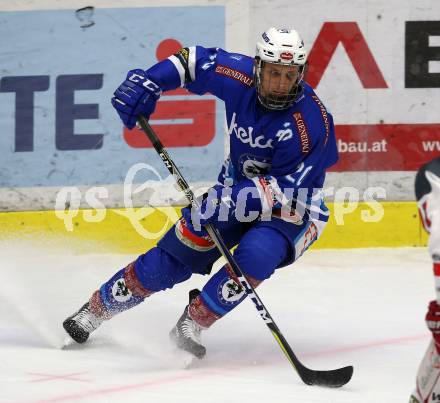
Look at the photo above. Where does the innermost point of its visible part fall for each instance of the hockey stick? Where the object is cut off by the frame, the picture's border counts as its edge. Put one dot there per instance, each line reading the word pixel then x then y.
pixel 333 378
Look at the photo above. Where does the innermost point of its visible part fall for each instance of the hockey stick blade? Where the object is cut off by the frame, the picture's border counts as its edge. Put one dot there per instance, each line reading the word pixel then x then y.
pixel 333 378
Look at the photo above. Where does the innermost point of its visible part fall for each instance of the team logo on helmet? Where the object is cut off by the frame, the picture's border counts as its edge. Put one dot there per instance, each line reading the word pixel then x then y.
pixel 286 56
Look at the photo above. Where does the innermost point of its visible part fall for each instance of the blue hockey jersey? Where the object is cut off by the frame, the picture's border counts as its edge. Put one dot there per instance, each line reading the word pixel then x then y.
pixel 282 154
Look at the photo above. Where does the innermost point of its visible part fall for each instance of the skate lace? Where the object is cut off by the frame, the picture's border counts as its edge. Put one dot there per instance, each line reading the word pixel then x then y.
pixel 190 329
pixel 87 320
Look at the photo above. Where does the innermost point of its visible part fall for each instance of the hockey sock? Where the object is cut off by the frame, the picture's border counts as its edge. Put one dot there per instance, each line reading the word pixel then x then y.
pixel 123 291
pixel 221 293
pixel 155 270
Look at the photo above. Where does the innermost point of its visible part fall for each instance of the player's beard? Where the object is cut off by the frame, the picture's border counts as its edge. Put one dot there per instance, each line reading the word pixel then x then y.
pixel 282 100
pixel 278 98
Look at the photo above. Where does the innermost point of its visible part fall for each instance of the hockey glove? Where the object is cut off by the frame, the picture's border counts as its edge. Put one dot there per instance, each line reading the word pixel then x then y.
pixel 433 322
pixel 215 206
pixel 240 202
pixel 137 95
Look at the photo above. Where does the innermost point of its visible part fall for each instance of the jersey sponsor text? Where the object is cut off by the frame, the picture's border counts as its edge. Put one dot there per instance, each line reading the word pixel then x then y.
pixel 238 75
pixel 303 133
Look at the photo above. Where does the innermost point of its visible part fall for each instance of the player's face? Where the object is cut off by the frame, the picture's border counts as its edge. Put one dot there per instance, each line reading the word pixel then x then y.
pixel 277 80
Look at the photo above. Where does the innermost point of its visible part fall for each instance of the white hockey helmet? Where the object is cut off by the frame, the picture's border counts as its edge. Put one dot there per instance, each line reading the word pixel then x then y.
pixel 284 47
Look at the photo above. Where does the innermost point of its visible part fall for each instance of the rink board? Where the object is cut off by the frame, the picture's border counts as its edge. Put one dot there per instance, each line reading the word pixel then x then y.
pixel 137 230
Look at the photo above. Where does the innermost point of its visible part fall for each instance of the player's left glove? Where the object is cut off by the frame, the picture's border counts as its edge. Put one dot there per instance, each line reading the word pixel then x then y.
pixel 433 322
pixel 137 95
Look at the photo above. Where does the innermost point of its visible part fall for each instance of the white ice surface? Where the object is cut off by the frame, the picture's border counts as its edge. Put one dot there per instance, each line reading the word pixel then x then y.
pixel 337 307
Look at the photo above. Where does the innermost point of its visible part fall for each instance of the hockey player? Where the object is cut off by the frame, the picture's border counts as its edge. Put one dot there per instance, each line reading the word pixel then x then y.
pixel 428 199
pixel 268 199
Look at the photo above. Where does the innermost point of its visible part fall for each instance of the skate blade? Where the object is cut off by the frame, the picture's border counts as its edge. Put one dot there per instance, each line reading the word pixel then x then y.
pixel 189 362
pixel 68 343
pixel 186 360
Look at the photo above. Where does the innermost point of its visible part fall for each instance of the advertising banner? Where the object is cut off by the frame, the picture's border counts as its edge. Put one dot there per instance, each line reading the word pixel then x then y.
pixel 58 71
pixel 376 66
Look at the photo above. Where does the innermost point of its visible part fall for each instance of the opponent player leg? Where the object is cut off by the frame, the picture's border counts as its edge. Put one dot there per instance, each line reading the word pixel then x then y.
pixel 428 374
pixel 428 377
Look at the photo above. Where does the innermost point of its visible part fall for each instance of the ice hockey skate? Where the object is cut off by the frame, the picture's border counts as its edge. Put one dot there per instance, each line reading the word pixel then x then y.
pixel 81 324
pixel 187 332
pixel 187 335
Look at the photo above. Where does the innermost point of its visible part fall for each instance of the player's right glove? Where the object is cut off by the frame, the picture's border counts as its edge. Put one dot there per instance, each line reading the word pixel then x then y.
pixel 433 322
pixel 137 95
